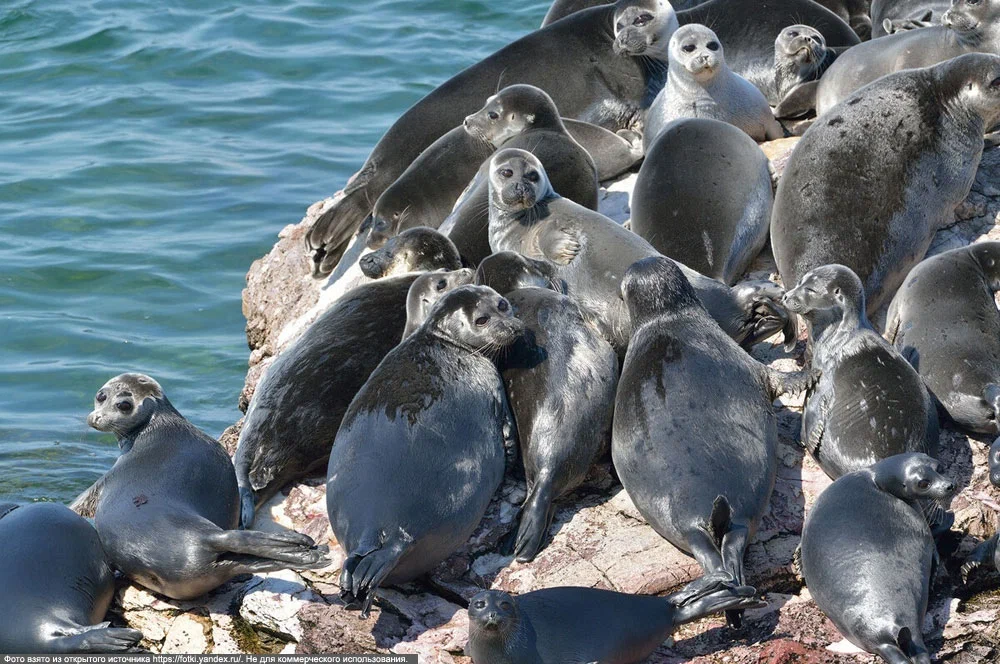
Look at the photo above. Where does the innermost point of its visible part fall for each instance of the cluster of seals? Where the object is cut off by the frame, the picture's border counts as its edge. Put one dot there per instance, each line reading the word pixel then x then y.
pixel 57 585
pixel 167 510
pixel 421 449
pixel 703 483
pixel 872 180
pixel 703 197
pixel 701 85
pixel 877 601
pixel 869 404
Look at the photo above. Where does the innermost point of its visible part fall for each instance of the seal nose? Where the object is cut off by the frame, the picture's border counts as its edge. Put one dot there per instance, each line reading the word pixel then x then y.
pixel 950 488
pixel 946 19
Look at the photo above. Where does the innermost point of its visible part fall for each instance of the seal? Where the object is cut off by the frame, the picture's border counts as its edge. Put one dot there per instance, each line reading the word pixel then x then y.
pixel 877 601
pixel 703 197
pixel 421 449
pixel 57 584
pixel 870 182
pixel 889 16
pixel 414 250
pixel 800 59
pixel 870 404
pixel 591 253
pixel 944 321
pixel 574 624
pixel 167 509
pixel 701 85
pixel 703 484
pixel 560 377
pixel 518 116
pixel 572 61
pixel 965 28
pixel 300 400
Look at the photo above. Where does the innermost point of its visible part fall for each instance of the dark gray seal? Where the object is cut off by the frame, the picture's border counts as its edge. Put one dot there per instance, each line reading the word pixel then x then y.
pixel 414 250
pixel 965 28
pixel 573 624
pixel 560 377
pixel 298 405
pixel 869 404
pixel 800 59
pixel 421 450
pixel 871 181
pixel 701 85
pixel 867 554
pixel 591 253
pixel 944 321
pixel 703 197
pixel 57 585
pixel 520 116
pixel 702 483
pixel 889 16
pixel 167 510
pixel 604 65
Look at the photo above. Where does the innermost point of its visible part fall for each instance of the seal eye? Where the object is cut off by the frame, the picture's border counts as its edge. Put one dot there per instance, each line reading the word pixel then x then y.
pixel 493 115
pixel 972 2
pixel 124 406
pixel 793 33
pixel 480 604
pixel 642 20
pixel 532 176
pixel 482 320
pixel 441 284
pixel 995 83
pixel 506 606
pixel 713 46
pixel 503 306
pixel 101 397
pixel 688 48
pixel 506 173
pixel 923 484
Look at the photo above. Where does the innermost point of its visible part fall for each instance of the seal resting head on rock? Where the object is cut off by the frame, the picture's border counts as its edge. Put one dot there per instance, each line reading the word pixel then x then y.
pixel 414 250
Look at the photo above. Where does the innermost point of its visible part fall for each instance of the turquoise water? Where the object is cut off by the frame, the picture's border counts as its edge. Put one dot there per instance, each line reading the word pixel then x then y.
pixel 149 152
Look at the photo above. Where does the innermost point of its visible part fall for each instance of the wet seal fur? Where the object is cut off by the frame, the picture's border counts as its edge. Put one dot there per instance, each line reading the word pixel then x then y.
pixel 57 585
pixel 877 601
pixel 872 180
pixel 421 449
pixel 703 484
pixel 167 510
pixel 869 404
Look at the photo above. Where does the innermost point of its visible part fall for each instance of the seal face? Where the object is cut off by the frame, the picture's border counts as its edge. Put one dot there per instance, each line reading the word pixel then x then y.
pixel 800 59
pixel 877 601
pixel 427 289
pixel 702 483
pixel 414 250
pixel 49 552
pixel 421 448
pixel 172 478
pixel 703 198
pixel 591 253
pixel 928 323
pixel 919 134
pixel 700 84
pixel 869 404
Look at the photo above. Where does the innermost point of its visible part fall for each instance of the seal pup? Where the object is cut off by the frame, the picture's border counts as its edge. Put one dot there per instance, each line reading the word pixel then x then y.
pixel 702 483
pixel 944 321
pixel 57 585
pixel 701 85
pixel 869 404
pixel 965 28
pixel 867 554
pixel 560 377
pixel 414 250
pixel 871 181
pixel 800 59
pixel 703 197
pixel 520 116
pixel 421 449
pixel 574 624
pixel 299 402
pixel 167 510
pixel 573 61
pixel 591 253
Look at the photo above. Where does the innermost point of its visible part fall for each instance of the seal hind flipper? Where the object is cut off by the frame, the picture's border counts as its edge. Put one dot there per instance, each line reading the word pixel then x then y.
pixel 726 599
pixel 86 503
pixel 364 573
pixel 291 548
pixel 764 314
pixel 994 461
pixel 333 230
pixel 903 649
pixel 983 553
pixel 536 517
pixel 100 638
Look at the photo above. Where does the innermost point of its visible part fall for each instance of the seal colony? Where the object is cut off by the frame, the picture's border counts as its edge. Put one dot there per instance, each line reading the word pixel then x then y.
pixel 499 326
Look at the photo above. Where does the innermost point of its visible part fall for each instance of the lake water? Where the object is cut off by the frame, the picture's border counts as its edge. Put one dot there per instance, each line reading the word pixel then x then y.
pixel 149 152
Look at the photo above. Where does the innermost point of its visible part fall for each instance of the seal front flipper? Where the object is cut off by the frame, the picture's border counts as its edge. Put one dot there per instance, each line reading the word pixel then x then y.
pixel 99 638
pixel 86 503
pixel 363 573
pixel 798 103
pixel 983 553
pixel 791 383
pixel 560 245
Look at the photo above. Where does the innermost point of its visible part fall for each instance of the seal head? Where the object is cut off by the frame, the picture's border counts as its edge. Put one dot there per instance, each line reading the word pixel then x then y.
pixel 914 477
pixel 414 250
pixel 513 111
pixel 698 50
pixel 124 406
pixel 644 27
pixel 475 318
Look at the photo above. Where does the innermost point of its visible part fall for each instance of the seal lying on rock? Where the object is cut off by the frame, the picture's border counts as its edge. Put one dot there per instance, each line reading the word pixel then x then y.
pixel 867 554
pixel 800 58
pixel 872 180
pixel 869 404
pixel 560 377
pixel 57 585
pixel 573 61
pixel 570 624
pixel 420 452
pixel 591 253
pixel 414 250
pixel 703 483
pixel 944 321
pixel 701 85
pixel 167 510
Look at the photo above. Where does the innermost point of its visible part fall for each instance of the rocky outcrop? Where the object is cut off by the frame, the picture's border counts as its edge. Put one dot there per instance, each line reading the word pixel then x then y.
pixel 598 537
